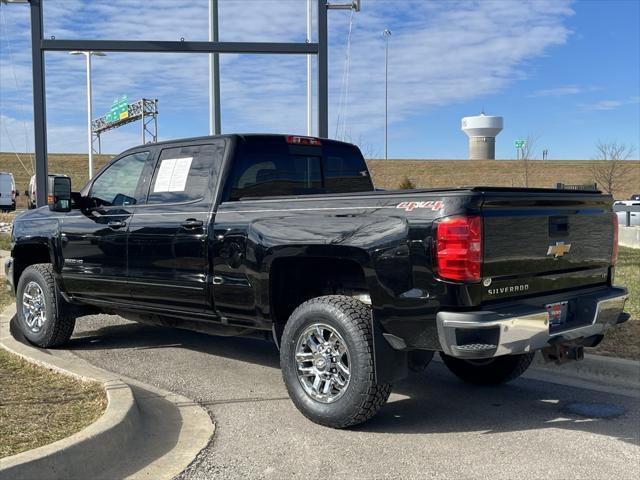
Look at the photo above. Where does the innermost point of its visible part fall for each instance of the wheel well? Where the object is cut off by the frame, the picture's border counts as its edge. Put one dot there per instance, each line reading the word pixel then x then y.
pixel 296 280
pixel 26 255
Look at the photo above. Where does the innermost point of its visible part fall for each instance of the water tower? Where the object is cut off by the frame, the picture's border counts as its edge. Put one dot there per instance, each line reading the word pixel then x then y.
pixel 482 130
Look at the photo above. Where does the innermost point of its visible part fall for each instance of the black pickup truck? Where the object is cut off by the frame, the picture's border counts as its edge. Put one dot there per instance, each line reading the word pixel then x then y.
pixel 286 238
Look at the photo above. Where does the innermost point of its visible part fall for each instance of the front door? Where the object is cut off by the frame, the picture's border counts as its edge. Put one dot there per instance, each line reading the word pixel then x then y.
pixel 168 257
pixel 94 239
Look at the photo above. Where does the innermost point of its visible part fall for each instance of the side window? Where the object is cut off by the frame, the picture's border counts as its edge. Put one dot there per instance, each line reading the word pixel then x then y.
pixel 117 184
pixel 267 167
pixel 269 175
pixel 186 174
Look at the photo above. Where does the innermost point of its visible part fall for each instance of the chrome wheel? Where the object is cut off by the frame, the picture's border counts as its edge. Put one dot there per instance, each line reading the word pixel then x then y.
pixel 323 363
pixel 34 309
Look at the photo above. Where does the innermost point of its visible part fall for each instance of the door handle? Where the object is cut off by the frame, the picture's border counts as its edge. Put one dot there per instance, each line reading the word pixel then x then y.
pixel 191 223
pixel 116 224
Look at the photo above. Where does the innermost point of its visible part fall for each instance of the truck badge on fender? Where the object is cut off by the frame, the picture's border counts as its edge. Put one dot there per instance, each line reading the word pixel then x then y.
pixel 559 249
pixel 409 206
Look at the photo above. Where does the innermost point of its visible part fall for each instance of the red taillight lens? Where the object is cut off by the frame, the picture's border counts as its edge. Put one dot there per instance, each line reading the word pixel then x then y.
pixel 614 250
pixel 297 140
pixel 459 248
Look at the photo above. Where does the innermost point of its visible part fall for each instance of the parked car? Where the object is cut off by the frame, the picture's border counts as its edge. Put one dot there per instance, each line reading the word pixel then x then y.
pixel 634 216
pixel 284 237
pixel 30 193
pixel 635 196
pixel 7 192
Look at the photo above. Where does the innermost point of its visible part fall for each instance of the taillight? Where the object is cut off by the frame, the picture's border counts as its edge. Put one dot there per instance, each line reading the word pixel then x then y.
pixel 297 140
pixel 614 250
pixel 458 248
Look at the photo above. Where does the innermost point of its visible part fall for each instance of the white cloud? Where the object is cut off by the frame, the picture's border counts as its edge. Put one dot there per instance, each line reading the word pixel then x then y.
pixel 441 53
pixel 609 104
pixel 560 91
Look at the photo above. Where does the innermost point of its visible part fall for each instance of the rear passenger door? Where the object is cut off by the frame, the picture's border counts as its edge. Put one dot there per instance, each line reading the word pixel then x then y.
pixel 167 247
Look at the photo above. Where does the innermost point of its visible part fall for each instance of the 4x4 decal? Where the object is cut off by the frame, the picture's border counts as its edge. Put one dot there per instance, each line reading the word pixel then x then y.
pixel 431 205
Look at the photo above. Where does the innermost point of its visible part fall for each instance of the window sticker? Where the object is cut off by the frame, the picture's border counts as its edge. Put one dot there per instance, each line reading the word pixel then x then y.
pixel 172 175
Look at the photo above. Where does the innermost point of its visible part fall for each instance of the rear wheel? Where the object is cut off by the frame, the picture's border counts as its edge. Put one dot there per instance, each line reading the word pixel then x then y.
pixel 326 355
pixel 40 309
pixel 490 371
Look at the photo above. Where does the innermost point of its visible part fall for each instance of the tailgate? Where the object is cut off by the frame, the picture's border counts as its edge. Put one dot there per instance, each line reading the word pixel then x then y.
pixel 541 242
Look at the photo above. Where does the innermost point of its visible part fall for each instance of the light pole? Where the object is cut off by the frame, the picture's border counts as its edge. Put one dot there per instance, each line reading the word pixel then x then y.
pixel 386 33
pixel 88 55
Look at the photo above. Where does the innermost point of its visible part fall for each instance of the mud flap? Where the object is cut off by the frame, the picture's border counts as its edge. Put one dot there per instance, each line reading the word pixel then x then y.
pixel 390 365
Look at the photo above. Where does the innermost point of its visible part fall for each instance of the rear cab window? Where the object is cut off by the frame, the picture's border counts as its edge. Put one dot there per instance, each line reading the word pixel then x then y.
pixel 186 173
pixel 267 166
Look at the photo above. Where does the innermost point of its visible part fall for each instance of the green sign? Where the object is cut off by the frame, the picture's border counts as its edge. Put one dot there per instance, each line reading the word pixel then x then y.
pixel 520 143
pixel 119 110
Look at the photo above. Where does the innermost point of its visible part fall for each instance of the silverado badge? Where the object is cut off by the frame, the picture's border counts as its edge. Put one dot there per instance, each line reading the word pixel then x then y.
pixel 559 249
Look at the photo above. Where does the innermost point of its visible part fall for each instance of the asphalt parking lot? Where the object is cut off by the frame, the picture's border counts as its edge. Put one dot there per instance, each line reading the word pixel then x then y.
pixel 433 426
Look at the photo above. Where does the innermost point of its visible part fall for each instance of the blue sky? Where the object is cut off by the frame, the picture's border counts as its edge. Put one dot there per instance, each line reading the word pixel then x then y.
pixel 567 73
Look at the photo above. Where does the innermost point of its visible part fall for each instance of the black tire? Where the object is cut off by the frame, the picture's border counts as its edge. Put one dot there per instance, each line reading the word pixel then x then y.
pixel 58 325
pixel 362 397
pixel 492 371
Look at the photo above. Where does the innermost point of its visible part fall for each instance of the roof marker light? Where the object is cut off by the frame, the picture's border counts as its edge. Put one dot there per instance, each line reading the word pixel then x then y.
pixel 297 140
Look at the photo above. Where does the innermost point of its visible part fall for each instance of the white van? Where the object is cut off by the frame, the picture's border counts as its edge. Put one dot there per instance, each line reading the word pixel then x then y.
pixel 7 192
pixel 31 191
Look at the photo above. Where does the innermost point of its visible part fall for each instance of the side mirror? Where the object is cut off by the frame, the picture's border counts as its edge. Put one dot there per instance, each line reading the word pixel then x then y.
pixel 77 201
pixel 59 197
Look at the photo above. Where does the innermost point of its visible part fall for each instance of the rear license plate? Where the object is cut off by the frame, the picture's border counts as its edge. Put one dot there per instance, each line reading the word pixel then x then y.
pixel 557 312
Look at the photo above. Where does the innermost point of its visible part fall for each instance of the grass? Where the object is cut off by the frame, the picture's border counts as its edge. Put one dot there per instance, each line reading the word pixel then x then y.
pixel 6 295
pixel 507 173
pixel 386 174
pixel 5 242
pixel 38 406
pixel 624 340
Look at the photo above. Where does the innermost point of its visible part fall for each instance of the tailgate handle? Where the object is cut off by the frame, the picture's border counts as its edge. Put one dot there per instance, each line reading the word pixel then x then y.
pixel 559 226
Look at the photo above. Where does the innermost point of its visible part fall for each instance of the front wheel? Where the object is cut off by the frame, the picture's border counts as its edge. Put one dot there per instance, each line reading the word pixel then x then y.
pixel 490 371
pixel 326 356
pixel 40 309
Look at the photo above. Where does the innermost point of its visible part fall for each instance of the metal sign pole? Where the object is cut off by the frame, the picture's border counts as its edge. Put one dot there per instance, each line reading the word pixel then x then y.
pixel 323 71
pixel 214 72
pixel 309 68
pixel 39 103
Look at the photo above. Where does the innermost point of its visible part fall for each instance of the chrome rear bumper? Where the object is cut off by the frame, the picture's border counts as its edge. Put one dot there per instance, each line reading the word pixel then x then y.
pixel 525 328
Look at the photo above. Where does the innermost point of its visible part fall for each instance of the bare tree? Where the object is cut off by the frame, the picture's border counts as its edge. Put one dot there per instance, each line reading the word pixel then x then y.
pixel 611 171
pixel 527 153
pixel 368 149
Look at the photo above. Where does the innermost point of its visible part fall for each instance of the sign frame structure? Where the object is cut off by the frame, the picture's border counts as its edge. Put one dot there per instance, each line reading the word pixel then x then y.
pixel 40 45
pixel 122 113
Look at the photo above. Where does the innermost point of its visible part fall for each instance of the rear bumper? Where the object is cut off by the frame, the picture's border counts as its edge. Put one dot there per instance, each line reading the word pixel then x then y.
pixel 525 328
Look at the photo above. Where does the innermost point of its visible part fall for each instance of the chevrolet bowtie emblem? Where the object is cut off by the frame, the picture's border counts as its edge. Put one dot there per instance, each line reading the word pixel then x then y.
pixel 559 249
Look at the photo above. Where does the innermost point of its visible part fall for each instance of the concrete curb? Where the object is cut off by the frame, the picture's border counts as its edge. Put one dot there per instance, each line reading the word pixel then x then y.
pixel 101 449
pixel 596 372
pixel 66 458
pixel 618 372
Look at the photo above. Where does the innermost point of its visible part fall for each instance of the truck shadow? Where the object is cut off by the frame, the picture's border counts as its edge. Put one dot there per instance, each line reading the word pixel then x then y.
pixel 435 402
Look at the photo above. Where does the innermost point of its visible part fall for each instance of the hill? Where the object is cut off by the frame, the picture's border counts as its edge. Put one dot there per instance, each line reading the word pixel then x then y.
pixel 447 173
pixel 386 174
